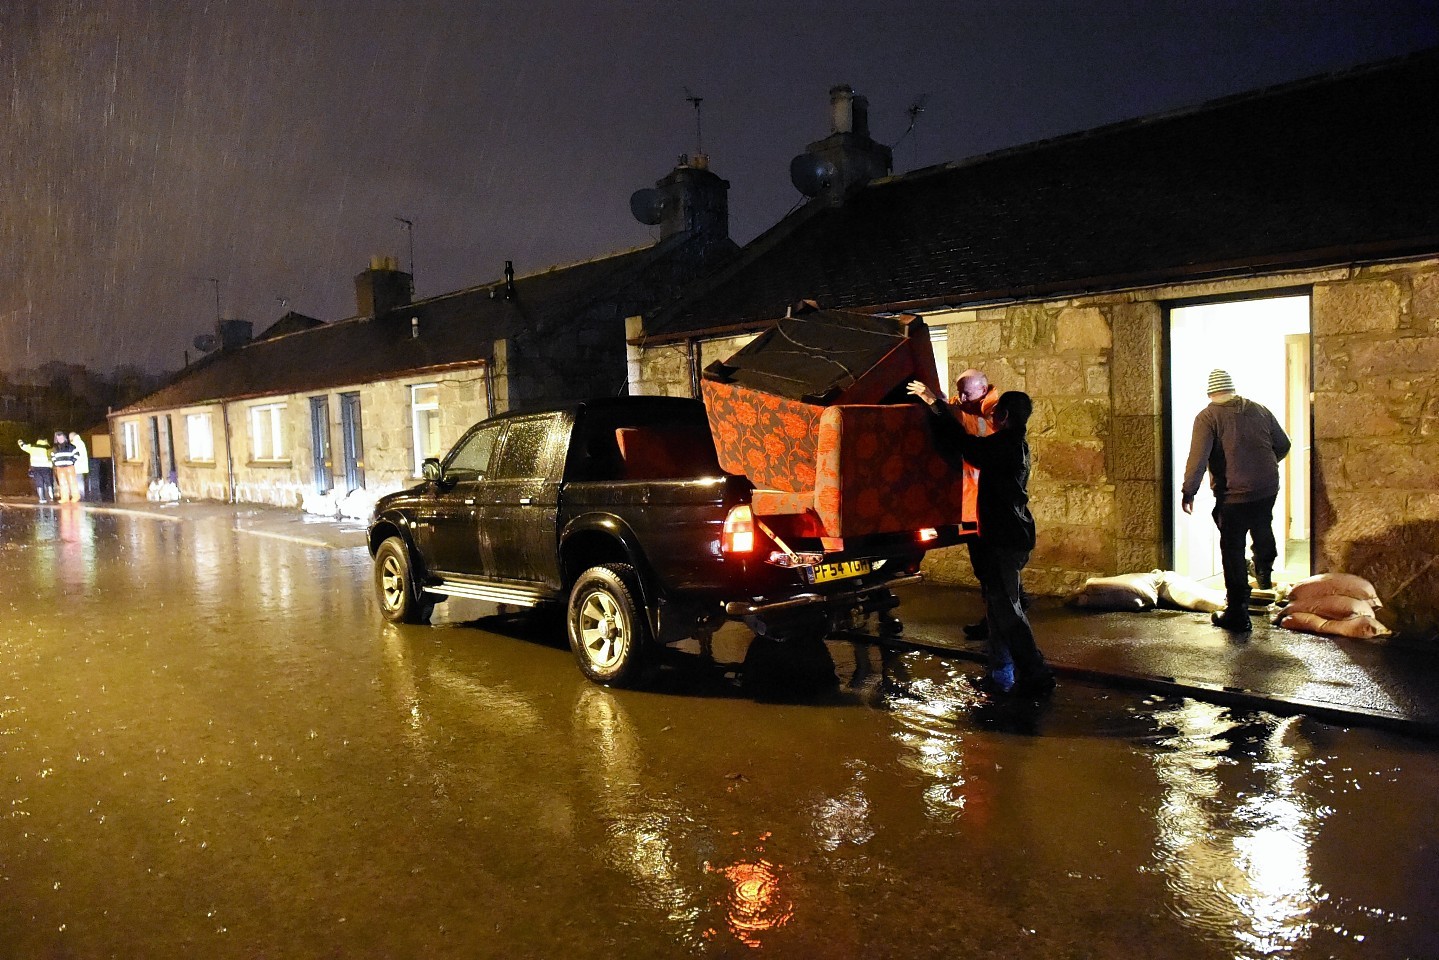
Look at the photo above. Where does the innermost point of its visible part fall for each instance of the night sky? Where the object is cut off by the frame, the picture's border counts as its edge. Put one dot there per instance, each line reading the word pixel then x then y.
pixel 149 147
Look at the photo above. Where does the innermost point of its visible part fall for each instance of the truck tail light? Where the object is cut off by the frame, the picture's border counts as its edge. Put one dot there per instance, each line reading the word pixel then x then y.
pixel 738 536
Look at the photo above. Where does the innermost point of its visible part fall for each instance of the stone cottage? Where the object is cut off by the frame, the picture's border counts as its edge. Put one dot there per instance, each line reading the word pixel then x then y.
pixel 315 410
pixel 1289 235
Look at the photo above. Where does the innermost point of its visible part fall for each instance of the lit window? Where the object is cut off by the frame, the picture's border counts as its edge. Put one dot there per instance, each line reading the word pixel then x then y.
pixel 939 340
pixel 130 440
pixel 425 418
pixel 199 438
pixel 267 432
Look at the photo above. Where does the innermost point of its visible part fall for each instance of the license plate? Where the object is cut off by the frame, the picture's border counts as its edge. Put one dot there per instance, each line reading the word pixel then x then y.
pixel 841 570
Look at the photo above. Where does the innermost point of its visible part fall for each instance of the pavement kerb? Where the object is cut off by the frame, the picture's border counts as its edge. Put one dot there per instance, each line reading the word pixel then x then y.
pixel 1223 696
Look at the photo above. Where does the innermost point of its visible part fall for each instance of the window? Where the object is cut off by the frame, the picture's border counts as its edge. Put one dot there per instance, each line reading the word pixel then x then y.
pixel 425 421
pixel 525 454
pixel 939 341
pixel 267 432
pixel 199 438
pixel 471 459
pixel 130 440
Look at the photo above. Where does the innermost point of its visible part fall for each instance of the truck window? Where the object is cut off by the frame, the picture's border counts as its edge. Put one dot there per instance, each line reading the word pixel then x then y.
pixel 471 460
pixel 524 455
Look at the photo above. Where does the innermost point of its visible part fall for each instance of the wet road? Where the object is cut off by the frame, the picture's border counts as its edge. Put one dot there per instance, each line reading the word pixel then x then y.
pixel 211 745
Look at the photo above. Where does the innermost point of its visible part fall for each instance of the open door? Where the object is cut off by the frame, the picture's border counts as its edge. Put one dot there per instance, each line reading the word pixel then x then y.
pixel 1264 344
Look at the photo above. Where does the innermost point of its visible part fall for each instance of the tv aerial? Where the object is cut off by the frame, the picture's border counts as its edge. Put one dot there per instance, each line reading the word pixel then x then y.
pixel 914 110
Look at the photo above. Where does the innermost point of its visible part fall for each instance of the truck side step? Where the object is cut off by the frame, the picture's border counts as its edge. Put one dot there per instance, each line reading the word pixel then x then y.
pixel 494 591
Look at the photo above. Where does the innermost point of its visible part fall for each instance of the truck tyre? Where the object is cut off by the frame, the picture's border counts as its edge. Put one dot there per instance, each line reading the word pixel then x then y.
pixel 401 600
pixel 608 630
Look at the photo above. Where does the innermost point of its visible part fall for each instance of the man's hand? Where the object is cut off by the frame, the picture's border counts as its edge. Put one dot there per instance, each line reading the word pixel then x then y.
pixel 1187 504
pixel 918 389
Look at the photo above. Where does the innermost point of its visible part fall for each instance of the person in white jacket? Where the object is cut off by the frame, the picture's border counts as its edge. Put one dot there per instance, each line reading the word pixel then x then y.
pixel 82 464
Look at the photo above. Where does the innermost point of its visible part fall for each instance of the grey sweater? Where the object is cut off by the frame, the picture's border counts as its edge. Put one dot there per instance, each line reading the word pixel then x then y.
pixel 1240 443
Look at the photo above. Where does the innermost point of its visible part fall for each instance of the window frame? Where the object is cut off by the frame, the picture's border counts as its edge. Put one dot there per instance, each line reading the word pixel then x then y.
pixel 420 449
pixel 191 422
pixel 130 442
pixel 269 419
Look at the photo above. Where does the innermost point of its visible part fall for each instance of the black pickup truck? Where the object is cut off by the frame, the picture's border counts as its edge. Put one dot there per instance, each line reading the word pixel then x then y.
pixel 618 508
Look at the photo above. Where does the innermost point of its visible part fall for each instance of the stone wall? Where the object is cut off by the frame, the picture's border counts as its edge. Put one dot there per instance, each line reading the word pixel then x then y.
pixel 1060 353
pixel 1101 489
pixel 1376 435
pixel 386 429
pixel 665 370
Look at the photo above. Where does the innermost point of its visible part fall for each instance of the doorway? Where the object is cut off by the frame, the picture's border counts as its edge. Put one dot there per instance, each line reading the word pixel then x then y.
pixel 1264 344
pixel 354 441
pixel 320 444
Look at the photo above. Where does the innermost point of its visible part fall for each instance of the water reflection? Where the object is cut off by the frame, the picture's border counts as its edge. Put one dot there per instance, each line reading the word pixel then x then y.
pixel 1238 865
pixel 641 832
pixel 933 717
pixel 755 903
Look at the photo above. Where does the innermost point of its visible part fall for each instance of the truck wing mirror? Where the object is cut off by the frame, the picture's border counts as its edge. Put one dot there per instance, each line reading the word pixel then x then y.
pixel 430 469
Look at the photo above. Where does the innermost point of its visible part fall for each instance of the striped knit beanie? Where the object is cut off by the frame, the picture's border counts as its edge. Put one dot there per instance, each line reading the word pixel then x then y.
pixel 1220 382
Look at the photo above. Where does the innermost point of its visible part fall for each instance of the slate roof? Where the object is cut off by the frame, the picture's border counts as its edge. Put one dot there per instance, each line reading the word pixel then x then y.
pixel 1332 169
pixel 456 329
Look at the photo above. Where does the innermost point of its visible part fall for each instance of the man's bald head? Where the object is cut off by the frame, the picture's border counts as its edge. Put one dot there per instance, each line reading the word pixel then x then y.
pixel 970 388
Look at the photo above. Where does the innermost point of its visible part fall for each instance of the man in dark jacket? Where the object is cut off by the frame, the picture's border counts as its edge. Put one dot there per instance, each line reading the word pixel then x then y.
pixel 1240 443
pixel 1006 536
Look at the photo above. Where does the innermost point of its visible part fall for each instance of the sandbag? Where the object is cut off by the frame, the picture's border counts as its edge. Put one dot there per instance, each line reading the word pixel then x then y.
pixel 1187 594
pixel 1332 607
pixel 1335 584
pixel 1359 628
pixel 1128 591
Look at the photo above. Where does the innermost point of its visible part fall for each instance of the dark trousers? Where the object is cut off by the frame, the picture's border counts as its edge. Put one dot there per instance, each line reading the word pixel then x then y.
pixel 1239 523
pixel 1011 639
pixel 44 478
pixel 978 564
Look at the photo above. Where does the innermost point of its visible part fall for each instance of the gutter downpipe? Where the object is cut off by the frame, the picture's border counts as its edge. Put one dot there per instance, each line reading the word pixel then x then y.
pixel 229 455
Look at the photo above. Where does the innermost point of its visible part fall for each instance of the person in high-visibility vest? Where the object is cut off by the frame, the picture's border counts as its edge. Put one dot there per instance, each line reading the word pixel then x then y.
pixel 41 473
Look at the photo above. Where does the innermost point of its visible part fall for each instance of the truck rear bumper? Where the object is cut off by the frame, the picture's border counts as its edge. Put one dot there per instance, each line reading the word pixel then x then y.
pixel 747 608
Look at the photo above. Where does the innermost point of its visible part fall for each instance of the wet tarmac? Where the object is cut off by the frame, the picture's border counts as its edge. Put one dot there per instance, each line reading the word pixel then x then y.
pixel 211 745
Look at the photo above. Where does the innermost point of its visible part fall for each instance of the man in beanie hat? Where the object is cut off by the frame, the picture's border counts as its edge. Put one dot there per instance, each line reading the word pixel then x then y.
pixel 1240 443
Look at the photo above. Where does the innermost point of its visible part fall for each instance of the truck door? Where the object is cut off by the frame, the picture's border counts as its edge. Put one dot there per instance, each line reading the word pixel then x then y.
pixel 520 502
pixel 449 520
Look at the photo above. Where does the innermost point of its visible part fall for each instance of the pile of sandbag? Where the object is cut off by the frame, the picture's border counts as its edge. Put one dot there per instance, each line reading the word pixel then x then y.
pixel 1337 604
pixel 1145 591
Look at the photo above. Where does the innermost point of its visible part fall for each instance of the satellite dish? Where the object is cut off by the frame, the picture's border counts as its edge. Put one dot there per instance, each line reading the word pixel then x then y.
pixel 206 342
pixel 648 206
pixel 811 174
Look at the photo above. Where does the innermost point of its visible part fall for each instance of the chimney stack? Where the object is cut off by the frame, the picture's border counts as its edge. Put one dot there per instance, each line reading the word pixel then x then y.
pixel 234 333
pixel 848 157
pixel 691 199
pixel 381 288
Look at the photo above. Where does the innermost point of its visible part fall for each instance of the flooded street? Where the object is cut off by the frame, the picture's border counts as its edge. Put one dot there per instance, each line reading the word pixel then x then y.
pixel 212 745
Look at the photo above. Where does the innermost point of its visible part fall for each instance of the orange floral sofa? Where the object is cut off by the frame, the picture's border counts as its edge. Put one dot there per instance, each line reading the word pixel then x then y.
pixel 854 469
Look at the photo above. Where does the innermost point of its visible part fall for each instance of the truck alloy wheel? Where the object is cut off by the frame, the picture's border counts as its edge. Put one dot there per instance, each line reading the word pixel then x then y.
pixel 400 599
pixel 607 627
